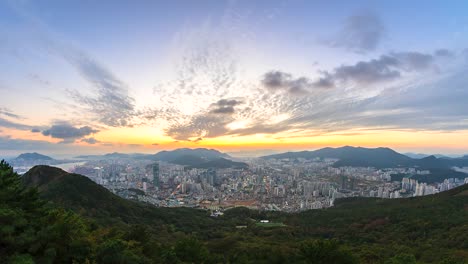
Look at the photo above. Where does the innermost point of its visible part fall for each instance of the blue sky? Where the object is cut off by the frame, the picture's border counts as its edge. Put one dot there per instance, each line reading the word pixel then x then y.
pixel 97 76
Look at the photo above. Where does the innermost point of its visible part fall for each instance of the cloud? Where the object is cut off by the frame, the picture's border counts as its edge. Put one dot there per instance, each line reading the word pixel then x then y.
pixel 8 143
pixel 200 126
pixel 360 33
pixel 224 106
pixel 444 53
pixel 282 81
pixel 10 124
pixel 366 72
pixel 35 130
pixel 134 145
pixel 39 79
pixel 90 140
pixel 110 104
pixel 67 132
pixel 387 67
pixel 197 140
pixel 8 113
pixel 155 144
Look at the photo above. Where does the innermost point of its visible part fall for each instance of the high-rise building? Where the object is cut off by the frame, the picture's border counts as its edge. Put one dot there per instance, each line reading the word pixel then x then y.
pixel 156 181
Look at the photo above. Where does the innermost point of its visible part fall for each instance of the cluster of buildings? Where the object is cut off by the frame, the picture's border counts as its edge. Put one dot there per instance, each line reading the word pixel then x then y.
pixel 415 188
pixel 283 185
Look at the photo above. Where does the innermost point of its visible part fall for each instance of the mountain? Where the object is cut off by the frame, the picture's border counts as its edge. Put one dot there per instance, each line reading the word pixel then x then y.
pixel 373 157
pixel 352 156
pixel 421 155
pixel 199 158
pixel 367 230
pixel 202 153
pixel 415 155
pixel 221 163
pixel 33 156
pixel 116 155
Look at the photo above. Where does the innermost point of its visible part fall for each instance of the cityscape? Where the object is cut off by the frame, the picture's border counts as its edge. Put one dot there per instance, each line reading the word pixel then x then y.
pixel 287 184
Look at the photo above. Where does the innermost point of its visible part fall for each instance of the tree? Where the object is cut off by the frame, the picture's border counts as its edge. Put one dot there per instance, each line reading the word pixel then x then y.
pixel 191 250
pixel 325 251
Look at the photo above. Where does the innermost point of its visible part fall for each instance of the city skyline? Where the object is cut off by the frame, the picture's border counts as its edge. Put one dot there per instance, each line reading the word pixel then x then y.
pixel 96 77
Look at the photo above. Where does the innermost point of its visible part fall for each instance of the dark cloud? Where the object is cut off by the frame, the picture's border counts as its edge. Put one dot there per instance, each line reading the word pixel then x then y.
pixel 197 140
pixel 281 81
pixel 224 106
pixel 111 103
pixel 365 72
pixel 35 130
pixel 360 33
pixel 90 140
pixel 385 68
pixel 67 132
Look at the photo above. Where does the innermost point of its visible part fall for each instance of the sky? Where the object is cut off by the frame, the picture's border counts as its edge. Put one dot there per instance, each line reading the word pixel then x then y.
pixel 88 77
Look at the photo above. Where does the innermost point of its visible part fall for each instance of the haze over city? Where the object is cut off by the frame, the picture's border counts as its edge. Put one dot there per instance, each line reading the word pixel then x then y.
pixel 84 77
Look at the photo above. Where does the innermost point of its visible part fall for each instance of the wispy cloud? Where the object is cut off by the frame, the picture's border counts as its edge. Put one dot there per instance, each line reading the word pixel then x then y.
pixel 360 33
pixel 7 112
pixel 110 104
pixel 10 124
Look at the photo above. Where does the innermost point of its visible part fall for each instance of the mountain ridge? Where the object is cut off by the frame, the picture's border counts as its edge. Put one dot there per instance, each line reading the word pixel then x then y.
pixel 381 157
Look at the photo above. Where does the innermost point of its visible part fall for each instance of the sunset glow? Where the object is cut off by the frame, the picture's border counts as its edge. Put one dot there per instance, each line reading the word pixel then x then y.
pixel 92 77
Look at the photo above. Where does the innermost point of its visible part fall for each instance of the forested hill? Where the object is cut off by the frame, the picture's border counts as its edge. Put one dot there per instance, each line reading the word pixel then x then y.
pixel 104 228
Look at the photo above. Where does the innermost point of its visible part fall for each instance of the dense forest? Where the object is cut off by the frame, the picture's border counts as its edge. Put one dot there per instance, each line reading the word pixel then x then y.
pixel 50 216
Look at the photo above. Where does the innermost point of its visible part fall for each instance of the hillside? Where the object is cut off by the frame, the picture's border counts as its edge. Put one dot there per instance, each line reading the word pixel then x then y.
pixel 82 195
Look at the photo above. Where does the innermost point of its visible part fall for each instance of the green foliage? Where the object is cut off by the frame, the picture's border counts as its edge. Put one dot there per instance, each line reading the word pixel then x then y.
pixel 190 250
pixel 402 259
pixel 326 251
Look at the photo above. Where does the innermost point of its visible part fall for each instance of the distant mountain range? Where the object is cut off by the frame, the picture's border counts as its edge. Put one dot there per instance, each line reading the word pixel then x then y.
pixel 202 153
pixel 199 158
pixel 32 156
pixel 421 155
pixel 195 158
pixel 373 157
